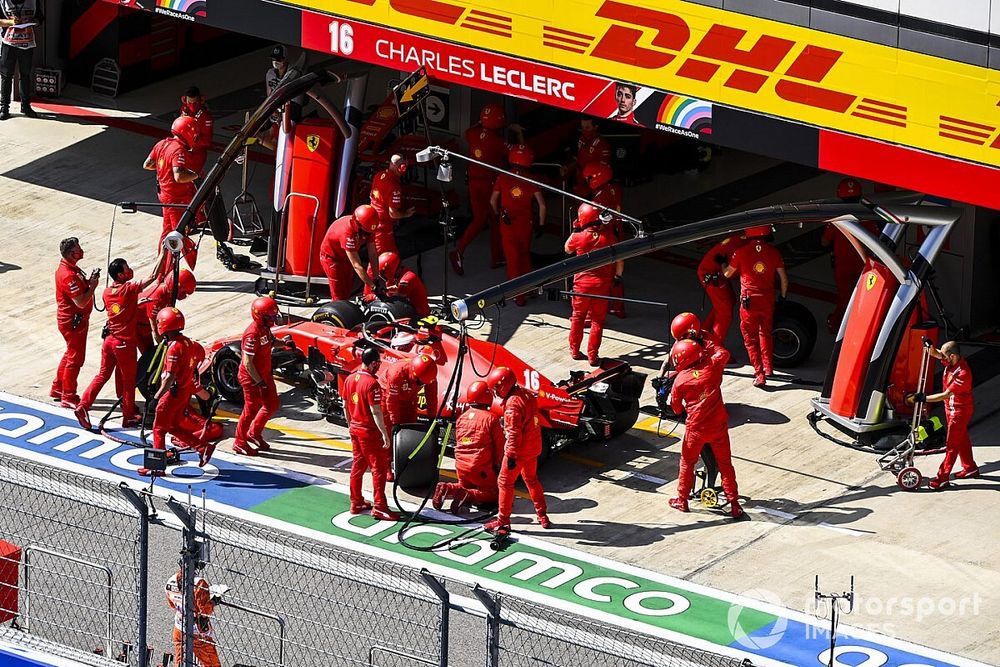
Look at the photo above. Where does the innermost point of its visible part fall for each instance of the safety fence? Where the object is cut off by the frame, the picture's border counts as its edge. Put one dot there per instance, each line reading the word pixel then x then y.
pixel 83 565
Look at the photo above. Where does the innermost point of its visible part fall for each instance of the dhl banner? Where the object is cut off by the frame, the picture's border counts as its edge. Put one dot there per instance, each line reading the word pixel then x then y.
pixel 699 52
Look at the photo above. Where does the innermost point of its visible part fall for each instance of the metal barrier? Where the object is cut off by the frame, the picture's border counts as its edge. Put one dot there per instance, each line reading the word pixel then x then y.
pixel 87 525
pixel 330 605
pixel 30 549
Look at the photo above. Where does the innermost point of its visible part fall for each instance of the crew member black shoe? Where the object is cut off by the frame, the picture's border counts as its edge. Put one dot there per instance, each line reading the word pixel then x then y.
pixel 4 113
pixel 26 110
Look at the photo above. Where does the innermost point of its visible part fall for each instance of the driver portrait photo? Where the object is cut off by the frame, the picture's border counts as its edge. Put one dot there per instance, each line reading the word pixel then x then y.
pixel 625 100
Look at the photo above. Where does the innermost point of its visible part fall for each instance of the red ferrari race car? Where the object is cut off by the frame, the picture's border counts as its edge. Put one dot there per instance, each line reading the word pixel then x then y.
pixel 322 351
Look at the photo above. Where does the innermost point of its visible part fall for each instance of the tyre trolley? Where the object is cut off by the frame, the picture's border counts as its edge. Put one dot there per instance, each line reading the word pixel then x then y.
pixel 899 459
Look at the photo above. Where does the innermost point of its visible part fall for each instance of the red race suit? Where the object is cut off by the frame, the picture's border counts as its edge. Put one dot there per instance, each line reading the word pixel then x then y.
pixel 609 196
pixel 205 654
pixel 595 281
pixel 958 412
pixel 206 128
pixel 522 443
pixel 118 349
pixel 361 392
pixel 757 262
pixel 589 150
pixel 387 192
pixel 180 361
pixel 152 300
pixel 260 402
pixel 343 235
pixel 517 216
pixel 406 284
pixel 718 289
pixel 698 391
pixel 168 154
pixel 73 324
pixel 479 444
pixel 486 146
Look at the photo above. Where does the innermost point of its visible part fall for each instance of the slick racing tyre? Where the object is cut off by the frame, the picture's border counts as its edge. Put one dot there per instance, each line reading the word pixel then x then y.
pixel 225 374
pixel 415 465
pixel 794 331
pixel 392 309
pixel 625 400
pixel 343 314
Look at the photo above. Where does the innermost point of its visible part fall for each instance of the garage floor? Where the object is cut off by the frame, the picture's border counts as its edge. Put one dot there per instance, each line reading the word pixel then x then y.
pixel 817 508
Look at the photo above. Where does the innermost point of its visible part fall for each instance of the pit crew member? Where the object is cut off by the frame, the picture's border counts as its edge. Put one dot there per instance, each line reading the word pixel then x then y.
pixel 717 287
pixel 847 263
pixel 590 234
pixel 171 160
pixel 479 444
pixel 400 281
pixel 591 147
pixel 522 446
pixel 512 203
pixel 74 298
pixel 486 144
pixel 697 390
pixel 370 440
pixel 387 200
pixel 176 388
pixel 609 195
pixel 956 394
pixel 260 396
pixel 757 262
pixel 193 106
pixel 154 299
pixel 118 349
pixel 338 253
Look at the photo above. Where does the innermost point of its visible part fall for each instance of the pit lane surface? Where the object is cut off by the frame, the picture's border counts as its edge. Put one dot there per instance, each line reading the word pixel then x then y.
pixel 817 508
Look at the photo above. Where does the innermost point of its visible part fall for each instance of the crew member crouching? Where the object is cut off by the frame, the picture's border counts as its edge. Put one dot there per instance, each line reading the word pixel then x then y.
pixel 479 444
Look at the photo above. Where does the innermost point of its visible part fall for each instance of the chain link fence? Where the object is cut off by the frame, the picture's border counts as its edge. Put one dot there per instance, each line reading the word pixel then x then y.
pixel 73 549
pixel 81 552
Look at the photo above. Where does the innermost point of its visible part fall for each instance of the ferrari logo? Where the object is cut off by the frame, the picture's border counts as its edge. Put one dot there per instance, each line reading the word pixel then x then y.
pixel 115 309
pixel 696 374
pixel 312 142
pixel 870 280
pixel 481 303
pixel 759 267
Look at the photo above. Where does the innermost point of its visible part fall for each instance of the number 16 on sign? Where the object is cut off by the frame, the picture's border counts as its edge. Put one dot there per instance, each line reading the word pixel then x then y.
pixel 341 38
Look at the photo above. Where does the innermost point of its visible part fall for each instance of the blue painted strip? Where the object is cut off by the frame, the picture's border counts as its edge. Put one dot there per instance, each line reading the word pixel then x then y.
pixel 50 431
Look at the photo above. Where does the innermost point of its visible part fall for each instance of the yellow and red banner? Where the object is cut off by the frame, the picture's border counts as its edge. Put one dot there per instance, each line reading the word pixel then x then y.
pixel 783 70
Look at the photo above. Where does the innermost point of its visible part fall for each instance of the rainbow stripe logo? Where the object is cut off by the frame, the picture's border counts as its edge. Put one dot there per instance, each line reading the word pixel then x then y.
pixel 191 7
pixel 687 113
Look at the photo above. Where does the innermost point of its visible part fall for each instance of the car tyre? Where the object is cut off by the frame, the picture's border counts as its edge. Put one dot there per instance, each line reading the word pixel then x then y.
pixel 225 375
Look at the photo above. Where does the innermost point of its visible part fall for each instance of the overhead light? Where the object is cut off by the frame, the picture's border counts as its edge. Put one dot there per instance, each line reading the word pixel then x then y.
pixel 444 171
pixel 426 155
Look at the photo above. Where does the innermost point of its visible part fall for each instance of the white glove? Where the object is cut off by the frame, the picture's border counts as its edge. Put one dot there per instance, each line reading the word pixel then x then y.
pixel 241 158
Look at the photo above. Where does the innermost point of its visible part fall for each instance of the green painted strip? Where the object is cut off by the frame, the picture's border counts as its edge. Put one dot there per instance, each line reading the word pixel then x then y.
pixel 526 567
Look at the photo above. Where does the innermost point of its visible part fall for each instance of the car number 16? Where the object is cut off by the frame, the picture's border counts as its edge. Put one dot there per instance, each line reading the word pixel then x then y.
pixel 531 379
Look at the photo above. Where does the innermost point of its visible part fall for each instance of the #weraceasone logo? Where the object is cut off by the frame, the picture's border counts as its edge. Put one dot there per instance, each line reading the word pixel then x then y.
pixel 189 7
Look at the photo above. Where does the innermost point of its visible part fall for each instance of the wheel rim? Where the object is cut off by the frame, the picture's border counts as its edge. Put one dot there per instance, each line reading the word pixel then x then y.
pixel 910 479
pixel 228 375
pixel 786 343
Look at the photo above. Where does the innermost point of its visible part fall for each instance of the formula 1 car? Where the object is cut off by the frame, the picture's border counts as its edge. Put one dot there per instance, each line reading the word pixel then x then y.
pixel 322 351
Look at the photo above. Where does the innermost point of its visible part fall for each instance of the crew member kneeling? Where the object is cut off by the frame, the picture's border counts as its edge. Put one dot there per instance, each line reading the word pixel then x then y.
pixel 369 436
pixel 260 396
pixel 522 446
pixel 697 391
pixel 400 281
pixel 479 444
pixel 590 235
